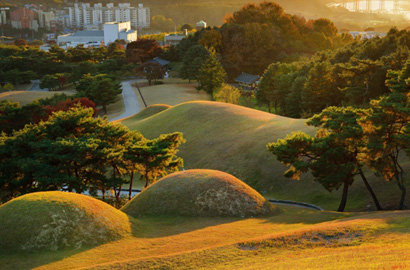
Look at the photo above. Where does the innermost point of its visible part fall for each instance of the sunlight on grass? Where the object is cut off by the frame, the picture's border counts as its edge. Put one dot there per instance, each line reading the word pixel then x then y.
pixel 295 239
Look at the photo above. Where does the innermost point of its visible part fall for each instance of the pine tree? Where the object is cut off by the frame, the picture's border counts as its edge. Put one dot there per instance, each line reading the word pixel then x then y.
pixel 211 76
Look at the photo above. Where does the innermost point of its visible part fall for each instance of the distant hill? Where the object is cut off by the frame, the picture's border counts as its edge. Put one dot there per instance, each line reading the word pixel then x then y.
pixel 233 139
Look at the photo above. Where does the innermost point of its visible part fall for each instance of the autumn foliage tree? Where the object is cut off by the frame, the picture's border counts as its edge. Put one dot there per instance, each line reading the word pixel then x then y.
pixel 151 71
pixel 142 50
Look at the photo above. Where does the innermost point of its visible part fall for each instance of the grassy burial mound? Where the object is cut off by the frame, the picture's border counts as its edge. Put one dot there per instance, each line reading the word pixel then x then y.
pixel 56 220
pixel 233 139
pixel 229 138
pixel 199 193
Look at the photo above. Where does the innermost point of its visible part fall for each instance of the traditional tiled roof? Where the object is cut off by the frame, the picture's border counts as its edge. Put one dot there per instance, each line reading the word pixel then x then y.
pixel 160 61
pixel 246 78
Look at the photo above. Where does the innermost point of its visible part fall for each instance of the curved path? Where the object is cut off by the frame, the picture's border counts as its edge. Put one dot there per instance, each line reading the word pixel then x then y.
pixel 131 105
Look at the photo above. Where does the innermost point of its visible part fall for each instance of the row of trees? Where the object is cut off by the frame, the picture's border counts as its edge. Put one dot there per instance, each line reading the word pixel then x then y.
pixel 351 75
pixel 20 64
pixel 349 139
pixel 73 150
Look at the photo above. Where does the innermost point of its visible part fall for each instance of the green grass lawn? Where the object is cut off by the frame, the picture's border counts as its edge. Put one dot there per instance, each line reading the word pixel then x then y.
pixel 173 92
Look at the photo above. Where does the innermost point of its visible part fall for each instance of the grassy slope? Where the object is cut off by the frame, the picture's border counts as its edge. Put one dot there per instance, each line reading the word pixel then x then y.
pixel 233 139
pixel 295 239
pixel 171 93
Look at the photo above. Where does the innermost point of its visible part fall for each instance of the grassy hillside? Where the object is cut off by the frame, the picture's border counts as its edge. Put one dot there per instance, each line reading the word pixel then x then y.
pixel 233 139
pixel 199 193
pixel 294 239
pixel 171 94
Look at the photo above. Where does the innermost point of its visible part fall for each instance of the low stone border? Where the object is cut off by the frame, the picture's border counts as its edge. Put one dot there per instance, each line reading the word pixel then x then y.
pixel 302 204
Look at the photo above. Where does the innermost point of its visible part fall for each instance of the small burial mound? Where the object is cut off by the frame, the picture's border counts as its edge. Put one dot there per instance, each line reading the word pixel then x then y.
pixel 199 193
pixel 55 220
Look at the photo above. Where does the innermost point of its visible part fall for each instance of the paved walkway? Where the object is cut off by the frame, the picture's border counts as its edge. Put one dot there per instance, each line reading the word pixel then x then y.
pixel 36 86
pixel 131 105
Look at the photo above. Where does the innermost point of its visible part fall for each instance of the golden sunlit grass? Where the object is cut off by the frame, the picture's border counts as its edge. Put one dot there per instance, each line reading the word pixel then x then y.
pixel 294 239
pixel 233 139
pixel 171 94
pixel 199 193
pixel 25 97
pixel 54 220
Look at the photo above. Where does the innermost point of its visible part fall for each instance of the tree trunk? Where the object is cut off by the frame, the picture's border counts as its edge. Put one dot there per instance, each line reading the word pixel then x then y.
pixel 403 195
pixel 105 108
pixel 344 196
pixel 131 180
pixel 117 196
pixel 269 107
pixel 146 180
pixel 369 188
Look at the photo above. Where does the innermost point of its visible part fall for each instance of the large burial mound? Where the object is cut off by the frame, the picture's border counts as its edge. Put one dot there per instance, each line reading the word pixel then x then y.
pixel 233 139
pixel 55 220
pixel 199 193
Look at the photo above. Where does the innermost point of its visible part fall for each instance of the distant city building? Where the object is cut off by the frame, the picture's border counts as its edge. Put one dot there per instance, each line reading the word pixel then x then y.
pixel 82 37
pixel 47 20
pixel 117 30
pixel 112 31
pixel 83 14
pixel 3 15
pixel 200 25
pixel 23 18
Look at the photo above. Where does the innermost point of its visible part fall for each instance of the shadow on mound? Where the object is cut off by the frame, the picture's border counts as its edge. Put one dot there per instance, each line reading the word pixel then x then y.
pixel 199 193
pixel 57 220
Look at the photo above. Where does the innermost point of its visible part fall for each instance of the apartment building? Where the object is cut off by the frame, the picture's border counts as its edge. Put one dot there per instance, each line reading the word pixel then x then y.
pixel 83 14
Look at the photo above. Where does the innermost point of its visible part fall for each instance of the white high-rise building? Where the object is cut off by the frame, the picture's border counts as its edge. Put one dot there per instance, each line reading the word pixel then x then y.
pixel 83 14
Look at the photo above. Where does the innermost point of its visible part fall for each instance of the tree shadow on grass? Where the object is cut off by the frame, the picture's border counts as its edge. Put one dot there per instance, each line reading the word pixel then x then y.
pixel 162 226
pixel 28 260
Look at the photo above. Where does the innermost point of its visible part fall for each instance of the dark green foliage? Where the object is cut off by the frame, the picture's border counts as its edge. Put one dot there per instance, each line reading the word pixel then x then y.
pixel 334 155
pixel 102 89
pixel 211 75
pixel 194 58
pixel 350 75
pixel 388 130
pixel 20 64
pixel 75 151
pixel 154 158
pixel 13 117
